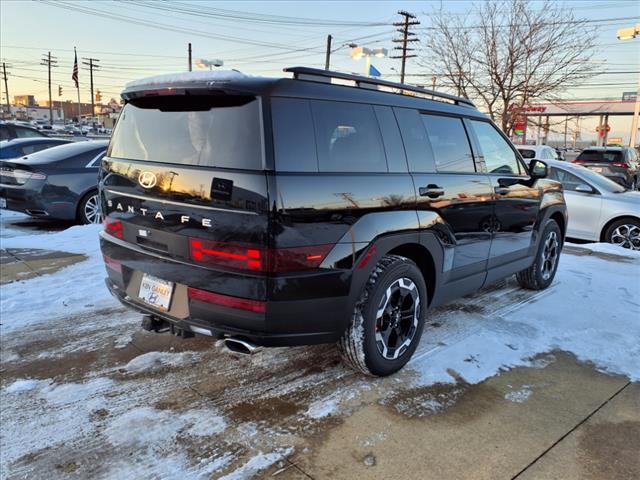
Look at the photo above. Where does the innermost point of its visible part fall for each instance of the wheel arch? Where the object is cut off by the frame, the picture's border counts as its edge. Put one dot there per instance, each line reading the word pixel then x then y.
pixel 422 257
pixel 82 196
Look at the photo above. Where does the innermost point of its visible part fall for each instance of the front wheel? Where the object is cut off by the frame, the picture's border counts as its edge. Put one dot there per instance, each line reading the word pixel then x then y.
pixel 387 322
pixel 89 209
pixel 540 275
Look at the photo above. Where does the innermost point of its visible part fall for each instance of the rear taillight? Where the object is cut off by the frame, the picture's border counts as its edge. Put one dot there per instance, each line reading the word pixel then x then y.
pixel 259 259
pixel 620 164
pixel 112 227
pixel 577 161
pixel 22 176
pixel 227 300
pixel 226 254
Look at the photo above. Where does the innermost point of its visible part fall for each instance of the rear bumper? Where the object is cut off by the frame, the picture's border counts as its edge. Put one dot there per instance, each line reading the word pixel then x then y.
pixel 302 316
pixel 27 200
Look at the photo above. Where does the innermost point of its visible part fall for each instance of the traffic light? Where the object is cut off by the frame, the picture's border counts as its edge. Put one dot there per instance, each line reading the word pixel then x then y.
pixel 59 90
pixel 98 96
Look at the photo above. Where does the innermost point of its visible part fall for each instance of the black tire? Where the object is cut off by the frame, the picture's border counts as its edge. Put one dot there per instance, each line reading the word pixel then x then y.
pixel 358 346
pixel 540 275
pixel 84 208
pixel 624 232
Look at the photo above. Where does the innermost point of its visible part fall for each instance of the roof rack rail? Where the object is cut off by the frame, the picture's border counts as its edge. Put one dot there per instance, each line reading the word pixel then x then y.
pixel 316 74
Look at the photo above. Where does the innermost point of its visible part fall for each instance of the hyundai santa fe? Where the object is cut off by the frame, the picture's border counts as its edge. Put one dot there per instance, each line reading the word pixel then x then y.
pixel 320 208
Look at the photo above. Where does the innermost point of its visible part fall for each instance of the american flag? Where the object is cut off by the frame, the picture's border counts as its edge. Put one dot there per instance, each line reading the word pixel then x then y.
pixel 74 75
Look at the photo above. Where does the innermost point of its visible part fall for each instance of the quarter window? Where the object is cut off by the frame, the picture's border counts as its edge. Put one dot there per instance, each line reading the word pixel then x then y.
pixel 499 157
pixel 449 142
pixel 347 137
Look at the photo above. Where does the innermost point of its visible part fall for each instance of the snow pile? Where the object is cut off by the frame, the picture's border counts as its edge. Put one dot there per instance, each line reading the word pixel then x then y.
pixel 73 290
pixel 156 360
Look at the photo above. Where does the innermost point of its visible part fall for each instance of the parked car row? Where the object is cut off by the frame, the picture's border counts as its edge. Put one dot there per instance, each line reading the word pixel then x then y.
pixel 59 182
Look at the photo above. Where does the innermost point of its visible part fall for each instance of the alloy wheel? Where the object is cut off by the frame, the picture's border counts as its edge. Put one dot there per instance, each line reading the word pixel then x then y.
pixel 92 209
pixel 397 318
pixel 627 236
pixel 550 253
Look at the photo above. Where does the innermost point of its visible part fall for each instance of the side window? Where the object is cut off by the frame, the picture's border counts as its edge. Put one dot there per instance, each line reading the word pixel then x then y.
pixel 293 136
pixel 36 148
pixel 498 155
pixel 391 139
pixel 416 143
pixel 448 138
pixel 568 180
pixel 348 137
pixel 4 133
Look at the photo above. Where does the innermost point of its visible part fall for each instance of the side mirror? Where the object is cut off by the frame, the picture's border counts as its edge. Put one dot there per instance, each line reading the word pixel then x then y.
pixel 583 188
pixel 538 169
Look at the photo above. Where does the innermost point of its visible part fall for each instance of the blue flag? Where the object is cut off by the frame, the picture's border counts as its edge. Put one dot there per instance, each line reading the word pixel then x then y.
pixel 374 72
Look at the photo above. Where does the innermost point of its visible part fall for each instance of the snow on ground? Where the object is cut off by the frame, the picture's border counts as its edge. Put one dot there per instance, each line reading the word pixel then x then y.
pixel 190 414
pixel 73 290
pixel 592 310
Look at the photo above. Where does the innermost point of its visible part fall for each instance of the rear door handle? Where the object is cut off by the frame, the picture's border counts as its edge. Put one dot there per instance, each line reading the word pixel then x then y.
pixel 502 190
pixel 431 191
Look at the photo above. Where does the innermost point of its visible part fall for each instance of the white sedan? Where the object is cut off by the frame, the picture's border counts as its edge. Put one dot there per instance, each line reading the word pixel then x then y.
pixel 599 209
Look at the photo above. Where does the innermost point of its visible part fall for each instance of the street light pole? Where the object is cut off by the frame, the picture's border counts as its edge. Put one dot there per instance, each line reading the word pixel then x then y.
pixel 629 34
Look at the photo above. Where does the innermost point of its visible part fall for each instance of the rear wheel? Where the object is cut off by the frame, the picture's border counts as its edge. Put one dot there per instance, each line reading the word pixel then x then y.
pixel 388 319
pixel 89 209
pixel 624 232
pixel 540 275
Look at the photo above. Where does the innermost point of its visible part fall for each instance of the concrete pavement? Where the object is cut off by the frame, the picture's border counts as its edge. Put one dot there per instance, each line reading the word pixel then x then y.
pixel 23 263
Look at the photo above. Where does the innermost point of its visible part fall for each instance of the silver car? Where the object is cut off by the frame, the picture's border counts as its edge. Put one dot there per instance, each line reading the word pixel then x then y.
pixel 600 210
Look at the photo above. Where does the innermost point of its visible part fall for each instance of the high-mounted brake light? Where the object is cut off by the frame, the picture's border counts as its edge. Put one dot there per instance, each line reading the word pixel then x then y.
pixel 259 259
pixel 227 300
pixel 113 227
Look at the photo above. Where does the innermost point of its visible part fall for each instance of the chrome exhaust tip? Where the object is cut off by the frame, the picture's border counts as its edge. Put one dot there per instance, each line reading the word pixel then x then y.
pixel 238 345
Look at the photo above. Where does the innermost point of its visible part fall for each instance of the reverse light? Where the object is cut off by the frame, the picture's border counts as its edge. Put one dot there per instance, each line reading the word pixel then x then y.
pixel 259 259
pixel 226 300
pixel 113 227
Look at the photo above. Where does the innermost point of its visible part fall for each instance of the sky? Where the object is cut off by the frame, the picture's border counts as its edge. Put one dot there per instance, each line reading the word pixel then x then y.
pixel 132 40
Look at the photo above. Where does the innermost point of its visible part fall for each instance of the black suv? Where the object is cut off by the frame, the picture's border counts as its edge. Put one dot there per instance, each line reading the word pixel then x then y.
pixel 321 208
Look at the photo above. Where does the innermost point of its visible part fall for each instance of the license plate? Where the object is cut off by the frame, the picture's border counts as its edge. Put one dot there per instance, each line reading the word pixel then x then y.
pixel 155 292
pixel 596 169
pixel 3 203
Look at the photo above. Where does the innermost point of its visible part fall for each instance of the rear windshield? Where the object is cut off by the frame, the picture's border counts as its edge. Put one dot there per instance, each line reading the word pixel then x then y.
pixel 527 153
pixel 212 131
pixel 600 156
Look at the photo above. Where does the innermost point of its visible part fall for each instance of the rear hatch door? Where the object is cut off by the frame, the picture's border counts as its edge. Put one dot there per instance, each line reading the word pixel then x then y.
pixel 185 176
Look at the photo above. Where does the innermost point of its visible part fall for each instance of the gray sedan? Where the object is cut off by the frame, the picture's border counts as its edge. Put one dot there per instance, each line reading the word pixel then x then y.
pixel 600 210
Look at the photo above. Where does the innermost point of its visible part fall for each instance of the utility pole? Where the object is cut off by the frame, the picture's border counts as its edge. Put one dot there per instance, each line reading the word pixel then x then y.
pixel 190 63
pixel 6 89
pixel 49 62
pixel 92 63
pixel 407 37
pixel 327 58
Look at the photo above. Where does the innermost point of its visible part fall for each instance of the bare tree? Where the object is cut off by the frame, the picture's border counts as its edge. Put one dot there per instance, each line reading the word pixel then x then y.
pixel 503 55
